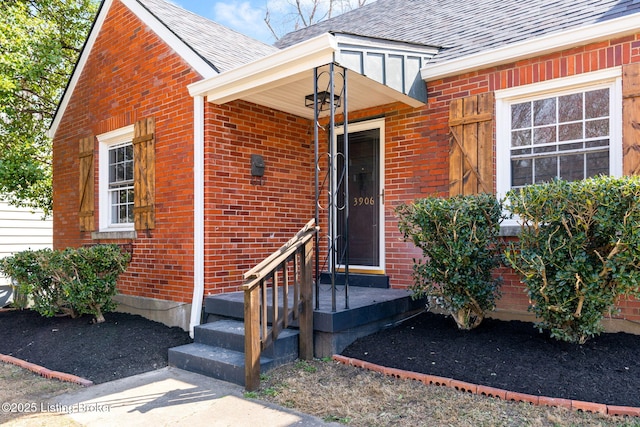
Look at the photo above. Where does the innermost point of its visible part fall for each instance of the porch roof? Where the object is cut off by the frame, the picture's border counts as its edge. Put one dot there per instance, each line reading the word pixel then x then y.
pixel 282 79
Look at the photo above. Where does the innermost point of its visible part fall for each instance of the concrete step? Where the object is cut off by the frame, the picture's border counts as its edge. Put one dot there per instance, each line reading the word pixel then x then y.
pixel 215 362
pixel 229 334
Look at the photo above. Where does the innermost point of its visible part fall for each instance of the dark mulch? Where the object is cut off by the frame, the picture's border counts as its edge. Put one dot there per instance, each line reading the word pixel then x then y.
pixel 508 355
pixel 511 356
pixel 122 346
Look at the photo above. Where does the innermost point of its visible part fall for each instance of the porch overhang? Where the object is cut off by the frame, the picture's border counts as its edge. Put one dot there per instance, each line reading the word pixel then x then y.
pixel 281 81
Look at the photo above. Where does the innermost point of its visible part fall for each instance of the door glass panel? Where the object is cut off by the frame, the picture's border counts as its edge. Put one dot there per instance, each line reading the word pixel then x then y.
pixel 363 199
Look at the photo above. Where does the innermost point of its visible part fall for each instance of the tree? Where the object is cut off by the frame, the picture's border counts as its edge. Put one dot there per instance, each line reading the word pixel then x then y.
pixel 296 14
pixel 40 42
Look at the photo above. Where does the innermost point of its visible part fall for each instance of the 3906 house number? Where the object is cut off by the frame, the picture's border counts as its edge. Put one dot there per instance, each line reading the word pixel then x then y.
pixel 363 201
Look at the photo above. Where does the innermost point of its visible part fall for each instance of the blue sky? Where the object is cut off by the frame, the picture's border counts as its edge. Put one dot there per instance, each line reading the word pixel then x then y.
pixel 245 16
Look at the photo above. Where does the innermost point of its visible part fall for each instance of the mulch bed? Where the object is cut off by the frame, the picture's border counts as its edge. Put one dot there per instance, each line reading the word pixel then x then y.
pixel 511 356
pixel 122 346
pixel 507 355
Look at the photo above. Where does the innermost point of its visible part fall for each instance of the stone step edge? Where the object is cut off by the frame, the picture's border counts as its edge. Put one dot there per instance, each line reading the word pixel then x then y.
pixel 575 405
pixel 44 372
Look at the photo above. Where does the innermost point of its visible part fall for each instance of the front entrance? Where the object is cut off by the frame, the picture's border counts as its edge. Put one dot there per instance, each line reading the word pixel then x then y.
pixel 365 198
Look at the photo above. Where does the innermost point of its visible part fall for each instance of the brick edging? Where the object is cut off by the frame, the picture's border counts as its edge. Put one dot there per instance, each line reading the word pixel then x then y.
pixel 37 369
pixel 575 405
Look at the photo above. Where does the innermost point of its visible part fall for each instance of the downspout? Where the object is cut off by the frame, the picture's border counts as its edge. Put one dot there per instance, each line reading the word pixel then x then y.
pixel 198 212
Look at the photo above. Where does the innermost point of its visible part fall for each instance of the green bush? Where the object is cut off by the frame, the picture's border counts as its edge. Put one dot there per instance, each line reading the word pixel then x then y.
pixel 70 282
pixel 459 240
pixel 31 271
pixel 579 250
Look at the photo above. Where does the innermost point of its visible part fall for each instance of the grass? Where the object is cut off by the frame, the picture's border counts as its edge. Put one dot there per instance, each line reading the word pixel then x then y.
pixel 21 387
pixel 343 394
pixel 356 397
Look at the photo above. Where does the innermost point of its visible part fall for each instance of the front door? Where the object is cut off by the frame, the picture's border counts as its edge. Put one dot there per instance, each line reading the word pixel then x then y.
pixel 364 199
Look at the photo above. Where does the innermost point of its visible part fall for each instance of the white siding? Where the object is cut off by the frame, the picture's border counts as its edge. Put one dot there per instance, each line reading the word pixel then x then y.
pixel 21 229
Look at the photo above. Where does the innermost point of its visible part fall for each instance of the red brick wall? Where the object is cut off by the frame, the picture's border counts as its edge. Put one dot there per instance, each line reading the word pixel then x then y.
pixel 131 74
pixel 417 145
pixel 247 219
pixel 430 151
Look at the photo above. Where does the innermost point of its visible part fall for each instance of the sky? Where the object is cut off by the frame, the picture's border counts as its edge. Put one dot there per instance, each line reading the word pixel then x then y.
pixel 247 16
pixel 244 16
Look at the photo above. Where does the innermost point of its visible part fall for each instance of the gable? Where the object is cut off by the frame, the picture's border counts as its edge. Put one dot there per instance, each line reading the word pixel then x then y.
pixel 207 47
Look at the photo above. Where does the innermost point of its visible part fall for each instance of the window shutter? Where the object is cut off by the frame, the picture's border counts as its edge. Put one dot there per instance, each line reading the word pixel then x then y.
pixel 144 174
pixel 471 145
pixel 87 190
pixel 631 119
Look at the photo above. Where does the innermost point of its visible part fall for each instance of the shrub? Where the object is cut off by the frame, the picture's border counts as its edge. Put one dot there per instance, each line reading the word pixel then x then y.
pixel 459 240
pixel 31 270
pixel 579 250
pixel 72 281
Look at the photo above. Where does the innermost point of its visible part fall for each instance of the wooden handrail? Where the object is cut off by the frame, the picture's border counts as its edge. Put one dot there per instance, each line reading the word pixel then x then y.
pixel 296 241
pixel 274 270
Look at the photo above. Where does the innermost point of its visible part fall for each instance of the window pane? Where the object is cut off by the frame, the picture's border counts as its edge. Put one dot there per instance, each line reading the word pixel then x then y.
pixel 544 135
pixel 121 184
pixel 596 103
pixel 570 108
pixel 546 169
pixel 544 111
pixel 545 149
pixel 600 143
pixel 521 115
pixel 520 138
pixel 597 163
pixel 521 152
pixel 570 132
pixel 572 167
pixel 574 146
pixel 596 128
pixel 521 172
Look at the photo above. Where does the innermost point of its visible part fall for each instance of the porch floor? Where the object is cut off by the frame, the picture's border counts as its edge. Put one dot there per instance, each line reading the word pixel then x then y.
pixel 370 310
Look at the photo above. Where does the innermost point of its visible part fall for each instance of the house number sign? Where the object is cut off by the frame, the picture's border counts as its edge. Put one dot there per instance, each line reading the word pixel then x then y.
pixel 363 201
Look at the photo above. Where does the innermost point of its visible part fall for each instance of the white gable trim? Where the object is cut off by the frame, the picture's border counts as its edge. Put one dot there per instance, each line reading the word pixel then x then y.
pixel 534 47
pixel 271 69
pixel 182 49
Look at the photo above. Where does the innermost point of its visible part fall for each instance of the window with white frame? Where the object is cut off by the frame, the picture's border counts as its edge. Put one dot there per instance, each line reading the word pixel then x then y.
pixel 121 183
pixel 566 128
pixel 116 180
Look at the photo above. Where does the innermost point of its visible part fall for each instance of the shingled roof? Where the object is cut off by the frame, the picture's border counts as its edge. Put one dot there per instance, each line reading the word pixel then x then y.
pixel 223 48
pixel 462 28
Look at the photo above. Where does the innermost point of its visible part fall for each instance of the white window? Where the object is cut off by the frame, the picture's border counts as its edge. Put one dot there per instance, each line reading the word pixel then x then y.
pixel 567 128
pixel 116 180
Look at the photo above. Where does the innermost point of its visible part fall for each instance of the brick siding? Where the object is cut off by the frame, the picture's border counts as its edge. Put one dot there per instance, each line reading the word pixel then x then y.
pixel 131 74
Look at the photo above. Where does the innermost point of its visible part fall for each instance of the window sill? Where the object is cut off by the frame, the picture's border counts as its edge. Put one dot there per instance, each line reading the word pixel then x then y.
pixel 113 235
pixel 509 230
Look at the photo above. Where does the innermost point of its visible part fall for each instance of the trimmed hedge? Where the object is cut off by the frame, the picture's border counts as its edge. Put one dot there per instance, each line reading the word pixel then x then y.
pixel 578 252
pixel 459 240
pixel 71 282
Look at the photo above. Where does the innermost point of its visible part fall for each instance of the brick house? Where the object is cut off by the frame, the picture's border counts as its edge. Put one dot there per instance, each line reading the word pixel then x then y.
pixel 195 147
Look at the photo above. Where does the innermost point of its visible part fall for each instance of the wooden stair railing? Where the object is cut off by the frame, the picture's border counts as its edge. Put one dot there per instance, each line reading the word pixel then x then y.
pixel 291 265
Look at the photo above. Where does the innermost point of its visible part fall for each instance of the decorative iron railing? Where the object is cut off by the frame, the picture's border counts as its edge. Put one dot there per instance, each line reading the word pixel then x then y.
pixel 289 266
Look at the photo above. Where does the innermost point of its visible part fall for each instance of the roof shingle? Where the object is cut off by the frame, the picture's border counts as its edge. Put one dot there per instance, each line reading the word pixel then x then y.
pixel 223 48
pixel 463 28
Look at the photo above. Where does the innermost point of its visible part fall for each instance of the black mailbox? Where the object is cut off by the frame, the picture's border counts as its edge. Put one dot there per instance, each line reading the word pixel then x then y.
pixel 257 165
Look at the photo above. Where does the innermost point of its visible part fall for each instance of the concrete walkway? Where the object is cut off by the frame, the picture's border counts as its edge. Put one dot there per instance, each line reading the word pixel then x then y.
pixel 169 397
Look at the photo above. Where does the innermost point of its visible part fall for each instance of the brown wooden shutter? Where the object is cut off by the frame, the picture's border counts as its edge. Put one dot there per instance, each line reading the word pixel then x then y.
pixel 471 145
pixel 144 174
pixel 87 188
pixel 631 119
